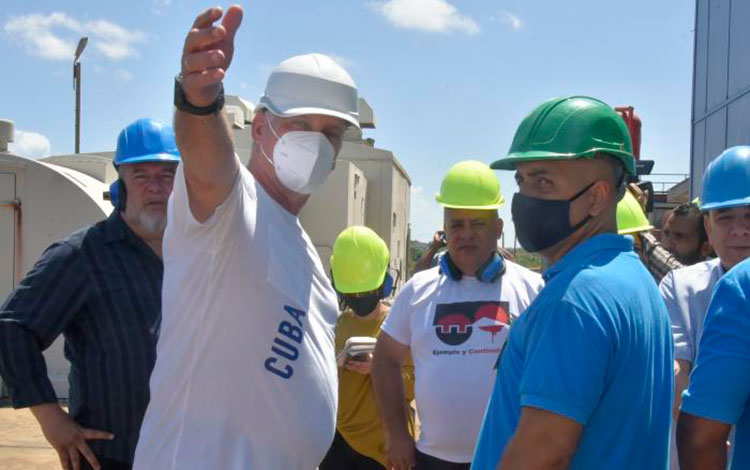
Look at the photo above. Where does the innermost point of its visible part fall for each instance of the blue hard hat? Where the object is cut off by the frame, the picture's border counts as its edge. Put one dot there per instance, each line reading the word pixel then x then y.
pixel 146 140
pixel 726 181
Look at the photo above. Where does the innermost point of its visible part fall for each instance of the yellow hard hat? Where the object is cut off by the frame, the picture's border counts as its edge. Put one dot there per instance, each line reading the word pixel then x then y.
pixel 630 216
pixel 359 262
pixel 470 185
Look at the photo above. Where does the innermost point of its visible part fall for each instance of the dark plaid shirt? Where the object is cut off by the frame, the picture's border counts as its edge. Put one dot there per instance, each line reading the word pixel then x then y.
pixel 101 288
pixel 657 259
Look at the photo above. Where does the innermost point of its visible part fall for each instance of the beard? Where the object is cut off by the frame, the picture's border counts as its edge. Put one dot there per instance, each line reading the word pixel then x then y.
pixel 153 223
pixel 690 258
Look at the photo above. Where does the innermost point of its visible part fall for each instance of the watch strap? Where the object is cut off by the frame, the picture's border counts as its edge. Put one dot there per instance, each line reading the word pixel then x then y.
pixel 181 102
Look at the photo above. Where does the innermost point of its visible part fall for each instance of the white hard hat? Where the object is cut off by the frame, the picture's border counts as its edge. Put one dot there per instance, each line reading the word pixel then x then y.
pixel 311 84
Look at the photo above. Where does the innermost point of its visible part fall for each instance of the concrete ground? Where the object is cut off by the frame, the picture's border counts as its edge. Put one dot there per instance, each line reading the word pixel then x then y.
pixel 22 445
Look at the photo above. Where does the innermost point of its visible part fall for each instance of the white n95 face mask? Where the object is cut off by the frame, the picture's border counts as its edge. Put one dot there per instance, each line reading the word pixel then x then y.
pixel 302 159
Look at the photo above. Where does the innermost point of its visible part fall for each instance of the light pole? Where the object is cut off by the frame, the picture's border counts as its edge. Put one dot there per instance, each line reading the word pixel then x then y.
pixel 77 87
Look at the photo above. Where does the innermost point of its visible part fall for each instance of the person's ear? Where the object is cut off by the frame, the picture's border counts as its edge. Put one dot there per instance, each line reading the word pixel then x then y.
pixel 599 195
pixel 259 126
pixel 499 227
pixel 707 226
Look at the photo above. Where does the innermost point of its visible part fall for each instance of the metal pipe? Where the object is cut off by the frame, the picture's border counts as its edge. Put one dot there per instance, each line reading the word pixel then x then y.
pixel 77 86
pixel 16 203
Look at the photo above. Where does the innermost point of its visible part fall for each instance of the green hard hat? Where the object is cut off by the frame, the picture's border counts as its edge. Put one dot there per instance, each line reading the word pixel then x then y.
pixel 470 185
pixel 359 261
pixel 630 216
pixel 570 128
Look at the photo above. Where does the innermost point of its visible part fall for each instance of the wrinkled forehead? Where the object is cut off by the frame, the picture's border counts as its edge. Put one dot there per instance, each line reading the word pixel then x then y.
pixel 148 167
pixel 741 211
pixel 310 121
pixel 683 220
pixel 582 169
pixel 450 215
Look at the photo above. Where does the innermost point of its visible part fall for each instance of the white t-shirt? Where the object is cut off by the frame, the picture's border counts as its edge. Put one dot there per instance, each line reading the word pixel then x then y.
pixel 687 293
pixel 245 375
pixel 455 330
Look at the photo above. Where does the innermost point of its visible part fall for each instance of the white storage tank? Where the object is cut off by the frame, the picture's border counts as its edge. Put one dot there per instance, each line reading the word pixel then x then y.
pixel 41 203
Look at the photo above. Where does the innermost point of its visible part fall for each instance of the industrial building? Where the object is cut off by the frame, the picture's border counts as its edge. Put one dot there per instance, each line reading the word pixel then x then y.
pixel 721 82
pixel 44 200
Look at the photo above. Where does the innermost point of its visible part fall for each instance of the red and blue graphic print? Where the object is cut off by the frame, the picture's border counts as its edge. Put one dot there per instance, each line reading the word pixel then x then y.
pixel 455 322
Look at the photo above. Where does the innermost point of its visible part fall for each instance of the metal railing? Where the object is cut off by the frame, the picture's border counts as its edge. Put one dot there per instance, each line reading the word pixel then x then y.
pixel 664 181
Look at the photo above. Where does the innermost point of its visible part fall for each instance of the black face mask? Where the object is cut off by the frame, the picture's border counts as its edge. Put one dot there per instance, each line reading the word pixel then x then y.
pixel 364 305
pixel 541 223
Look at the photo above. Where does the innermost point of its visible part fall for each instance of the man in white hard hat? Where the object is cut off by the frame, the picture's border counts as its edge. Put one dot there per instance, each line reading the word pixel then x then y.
pixel 245 376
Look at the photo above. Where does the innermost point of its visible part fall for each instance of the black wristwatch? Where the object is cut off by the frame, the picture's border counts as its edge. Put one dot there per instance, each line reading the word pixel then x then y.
pixel 183 104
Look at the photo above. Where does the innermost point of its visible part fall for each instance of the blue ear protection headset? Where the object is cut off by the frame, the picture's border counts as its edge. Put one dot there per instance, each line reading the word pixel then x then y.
pixel 489 272
pixel 118 195
pixel 387 287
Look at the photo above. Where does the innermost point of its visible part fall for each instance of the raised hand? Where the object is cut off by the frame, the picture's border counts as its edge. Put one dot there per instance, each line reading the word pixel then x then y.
pixel 208 53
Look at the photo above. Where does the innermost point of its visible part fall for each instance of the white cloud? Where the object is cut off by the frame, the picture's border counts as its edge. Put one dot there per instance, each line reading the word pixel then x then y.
pixel 55 36
pixel 35 32
pixel 434 16
pixel 123 75
pixel 119 73
pixel 160 6
pixel 426 216
pixel 114 41
pixel 29 144
pixel 511 20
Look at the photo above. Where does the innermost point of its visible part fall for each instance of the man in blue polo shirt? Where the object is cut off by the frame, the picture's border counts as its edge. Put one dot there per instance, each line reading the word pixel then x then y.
pixel 719 390
pixel 720 383
pixel 585 379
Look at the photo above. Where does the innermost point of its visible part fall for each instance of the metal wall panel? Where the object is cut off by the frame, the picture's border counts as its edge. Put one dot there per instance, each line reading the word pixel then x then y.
pixel 718 53
pixel 716 135
pixel 738 121
pixel 739 47
pixel 697 160
pixel 701 59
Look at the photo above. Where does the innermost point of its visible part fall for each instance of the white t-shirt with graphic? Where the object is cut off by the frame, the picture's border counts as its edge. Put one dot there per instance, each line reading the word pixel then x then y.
pixel 455 330
pixel 245 375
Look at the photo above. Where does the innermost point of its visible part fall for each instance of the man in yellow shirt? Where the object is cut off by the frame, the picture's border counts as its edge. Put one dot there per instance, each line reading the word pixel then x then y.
pixel 359 266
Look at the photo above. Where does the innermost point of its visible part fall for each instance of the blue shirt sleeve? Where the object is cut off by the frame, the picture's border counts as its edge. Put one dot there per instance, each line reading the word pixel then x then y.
pixel 720 383
pixel 567 361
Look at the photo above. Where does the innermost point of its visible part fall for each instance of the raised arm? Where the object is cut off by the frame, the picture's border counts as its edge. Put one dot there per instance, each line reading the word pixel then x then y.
pixel 205 141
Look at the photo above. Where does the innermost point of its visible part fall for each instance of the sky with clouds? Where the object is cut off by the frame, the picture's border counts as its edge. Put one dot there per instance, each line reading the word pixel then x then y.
pixel 448 80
